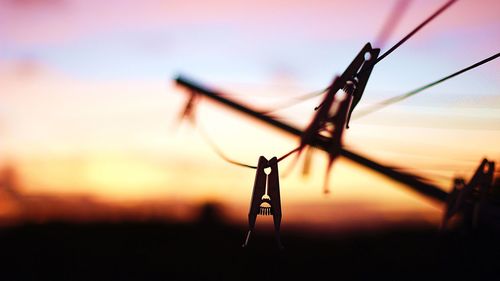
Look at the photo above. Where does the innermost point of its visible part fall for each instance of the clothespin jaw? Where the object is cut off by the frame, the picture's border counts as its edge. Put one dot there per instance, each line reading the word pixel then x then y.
pixel 357 63
pixel 357 73
pixel 353 80
pixel 273 190
pixel 484 184
pixel 340 81
pixel 469 198
pixel 311 132
pixel 266 199
pixel 259 190
pixel 336 132
pixel 322 112
pixel 361 79
pixel 453 201
pixel 338 119
pixel 330 125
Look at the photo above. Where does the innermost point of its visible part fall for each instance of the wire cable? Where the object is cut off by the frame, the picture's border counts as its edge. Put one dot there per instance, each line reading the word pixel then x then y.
pixel 414 31
pixel 299 99
pixel 216 148
pixel 295 100
pixel 404 96
pixel 391 22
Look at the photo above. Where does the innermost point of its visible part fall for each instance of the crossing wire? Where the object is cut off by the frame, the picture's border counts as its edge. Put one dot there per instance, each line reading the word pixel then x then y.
pixel 216 148
pixel 308 96
pixel 404 96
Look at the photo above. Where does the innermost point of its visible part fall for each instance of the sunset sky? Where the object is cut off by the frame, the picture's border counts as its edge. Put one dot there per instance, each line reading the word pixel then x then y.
pixel 88 106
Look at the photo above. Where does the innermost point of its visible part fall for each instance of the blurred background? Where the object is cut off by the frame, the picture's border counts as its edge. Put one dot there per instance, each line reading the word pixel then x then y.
pixel 89 114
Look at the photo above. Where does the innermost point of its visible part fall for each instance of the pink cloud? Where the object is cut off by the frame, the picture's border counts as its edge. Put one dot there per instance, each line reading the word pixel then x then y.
pixel 51 22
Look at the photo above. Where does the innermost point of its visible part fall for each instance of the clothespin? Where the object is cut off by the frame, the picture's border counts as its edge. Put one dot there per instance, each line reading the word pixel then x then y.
pixel 455 199
pixel 361 78
pixel 336 129
pixel 483 185
pixel 469 198
pixel 357 72
pixel 353 81
pixel 265 197
pixel 320 118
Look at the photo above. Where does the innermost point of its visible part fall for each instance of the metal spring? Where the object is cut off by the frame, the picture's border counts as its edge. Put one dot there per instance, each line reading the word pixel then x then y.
pixel 265 211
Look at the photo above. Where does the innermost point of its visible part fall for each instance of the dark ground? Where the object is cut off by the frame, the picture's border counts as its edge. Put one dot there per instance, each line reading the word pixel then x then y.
pixel 212 251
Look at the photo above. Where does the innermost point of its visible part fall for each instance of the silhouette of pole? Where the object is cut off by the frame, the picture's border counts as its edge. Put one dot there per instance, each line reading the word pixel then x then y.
pixel 413 181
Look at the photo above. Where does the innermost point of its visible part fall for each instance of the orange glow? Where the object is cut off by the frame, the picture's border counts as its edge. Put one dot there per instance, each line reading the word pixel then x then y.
pixel 88 110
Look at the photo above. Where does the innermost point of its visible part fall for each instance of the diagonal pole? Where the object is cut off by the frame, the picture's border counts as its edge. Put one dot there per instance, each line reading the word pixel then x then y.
pixel 412 181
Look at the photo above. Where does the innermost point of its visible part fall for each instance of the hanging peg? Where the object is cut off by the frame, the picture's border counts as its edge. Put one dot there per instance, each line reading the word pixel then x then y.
pixel 353 80
pixel 470 199
pixel 265 197
pixel 361 79
pixel 312 132
pixel 335 126
pixel 358 71
pixel 483 186
pixel 361 66
pixel 455 199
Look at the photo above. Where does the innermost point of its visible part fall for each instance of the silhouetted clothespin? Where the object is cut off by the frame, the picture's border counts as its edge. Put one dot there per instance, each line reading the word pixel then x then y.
pixel 335 128
pixel 265 197
pixel 361 79
pixel 327 123
pixel 330 123
pixel 357 72
pixel 455 199
pixel 468 199
pixel 483 185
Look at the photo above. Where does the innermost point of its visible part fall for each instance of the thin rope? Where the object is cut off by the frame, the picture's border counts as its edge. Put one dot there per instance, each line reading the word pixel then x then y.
pixel 404 96
pixel 414 31
pixel 391 22
pixel 216 148
pixel 288 154
pixel 295 100
pixel 299 99
pixel 206 137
